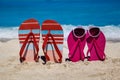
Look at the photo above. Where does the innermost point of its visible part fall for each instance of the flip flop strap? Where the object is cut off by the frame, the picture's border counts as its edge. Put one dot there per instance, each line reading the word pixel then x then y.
pixel 36 47
pixel 24 45
pixel 55 46
pixel 72 51
pixel 96 46
pixel 89 49
pixel 44 46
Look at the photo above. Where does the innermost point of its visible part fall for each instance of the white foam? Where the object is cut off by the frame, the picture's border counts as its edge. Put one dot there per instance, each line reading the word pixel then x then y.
pixel 111 32
pixel 11 32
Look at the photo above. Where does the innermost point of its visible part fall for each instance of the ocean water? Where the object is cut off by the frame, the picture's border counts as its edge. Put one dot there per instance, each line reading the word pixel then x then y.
pixel 69 13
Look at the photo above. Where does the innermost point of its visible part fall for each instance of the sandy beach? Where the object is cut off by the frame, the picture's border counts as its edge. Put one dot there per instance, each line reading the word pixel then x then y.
pixel 12 69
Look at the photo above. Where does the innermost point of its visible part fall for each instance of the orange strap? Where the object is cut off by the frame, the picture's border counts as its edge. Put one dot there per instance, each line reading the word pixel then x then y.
pixel 54 43
pixel 24 45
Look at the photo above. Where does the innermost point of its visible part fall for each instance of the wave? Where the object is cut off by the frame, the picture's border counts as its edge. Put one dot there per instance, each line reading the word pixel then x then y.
pixel 8 32
pixel 111 31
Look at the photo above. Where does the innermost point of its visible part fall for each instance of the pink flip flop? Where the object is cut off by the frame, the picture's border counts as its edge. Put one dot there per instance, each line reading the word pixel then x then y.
pixel 96 44
pixel 76 43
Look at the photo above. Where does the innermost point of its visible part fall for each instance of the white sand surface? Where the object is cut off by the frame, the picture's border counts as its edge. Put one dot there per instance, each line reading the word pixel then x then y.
pixel 12 69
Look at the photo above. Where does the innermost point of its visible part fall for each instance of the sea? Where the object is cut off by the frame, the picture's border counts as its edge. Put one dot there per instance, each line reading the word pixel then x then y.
pixel 104 14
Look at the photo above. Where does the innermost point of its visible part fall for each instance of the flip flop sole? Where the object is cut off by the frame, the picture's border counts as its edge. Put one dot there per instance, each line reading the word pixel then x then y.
pixel 78 53
pixel 57 32
pixel 96 53
pixel 25 28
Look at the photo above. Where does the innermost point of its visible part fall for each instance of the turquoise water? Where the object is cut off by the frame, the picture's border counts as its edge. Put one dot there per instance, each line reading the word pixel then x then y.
pixel 69 13
pixel 75 12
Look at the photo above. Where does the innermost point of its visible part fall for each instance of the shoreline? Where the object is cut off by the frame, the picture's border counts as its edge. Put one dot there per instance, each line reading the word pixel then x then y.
pixel 65 40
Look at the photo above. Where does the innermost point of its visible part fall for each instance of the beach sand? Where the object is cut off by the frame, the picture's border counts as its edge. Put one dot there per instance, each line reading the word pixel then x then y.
pixel 12 69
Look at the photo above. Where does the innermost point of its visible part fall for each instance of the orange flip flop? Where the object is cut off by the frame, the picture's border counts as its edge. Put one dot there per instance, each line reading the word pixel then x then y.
pixel 52 34
pixel 29 35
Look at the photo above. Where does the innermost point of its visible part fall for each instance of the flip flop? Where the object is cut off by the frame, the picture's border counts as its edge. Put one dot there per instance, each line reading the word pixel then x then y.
pixel 76 43
pixel 52 34
pixel 96 44
pixel 29 35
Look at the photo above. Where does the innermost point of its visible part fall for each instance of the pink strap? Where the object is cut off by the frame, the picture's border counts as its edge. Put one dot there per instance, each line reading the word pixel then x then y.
pixel 24 45
pixel 56 48
pixel 100 54
pixel 72 51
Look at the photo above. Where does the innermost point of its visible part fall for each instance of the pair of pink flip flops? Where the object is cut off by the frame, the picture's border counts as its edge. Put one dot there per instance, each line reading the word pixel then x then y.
pixel 95 40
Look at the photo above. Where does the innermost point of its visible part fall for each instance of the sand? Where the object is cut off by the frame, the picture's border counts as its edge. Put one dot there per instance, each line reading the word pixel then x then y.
pixel 12 69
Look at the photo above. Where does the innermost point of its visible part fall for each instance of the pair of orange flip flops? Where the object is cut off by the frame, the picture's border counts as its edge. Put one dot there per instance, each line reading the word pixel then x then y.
pixel 29 37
